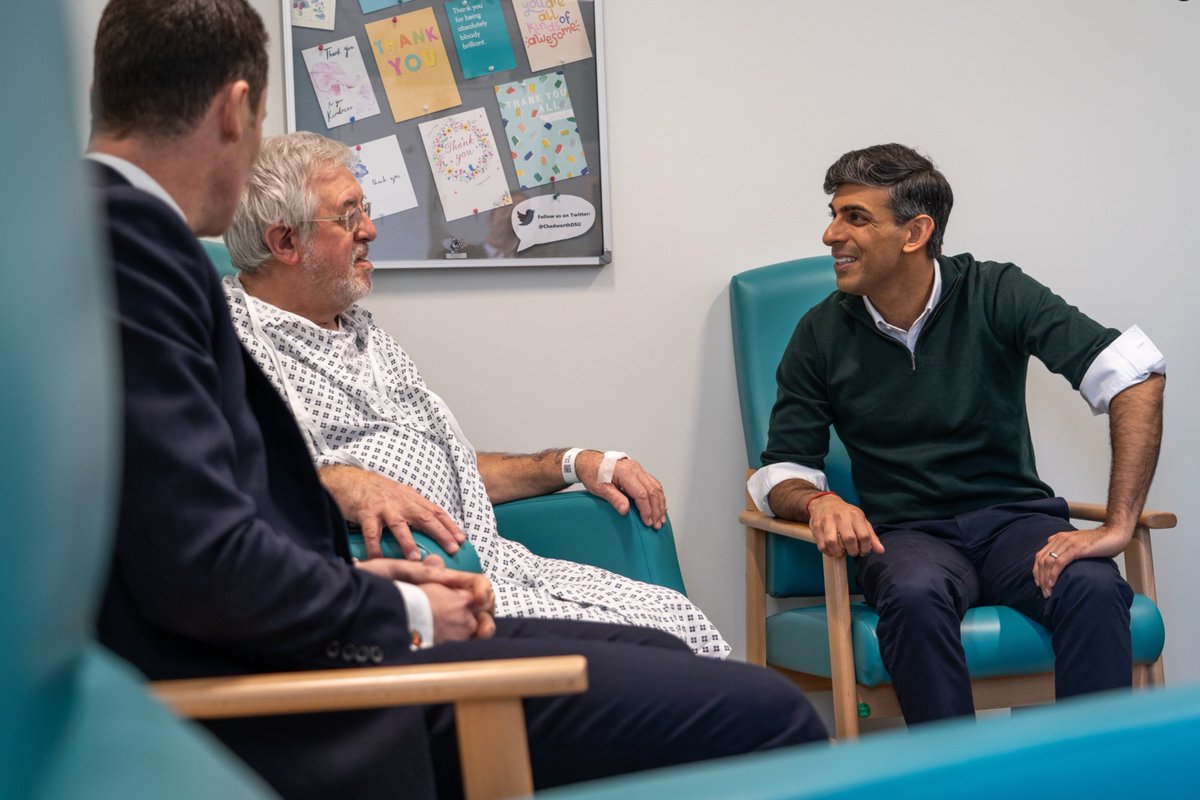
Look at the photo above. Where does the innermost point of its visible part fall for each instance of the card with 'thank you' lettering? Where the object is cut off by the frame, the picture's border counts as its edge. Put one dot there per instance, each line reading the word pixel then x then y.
pixel 465 164
pixel 539 122
pixel 412 61
pixel 339 77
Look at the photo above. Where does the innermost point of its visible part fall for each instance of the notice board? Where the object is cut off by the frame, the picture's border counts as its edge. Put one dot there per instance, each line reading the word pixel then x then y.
pixel 477 126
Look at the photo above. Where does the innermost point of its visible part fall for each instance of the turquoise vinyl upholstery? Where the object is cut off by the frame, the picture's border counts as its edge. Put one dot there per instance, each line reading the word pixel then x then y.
pixel 998 641
pixel 75 721
pixel 465 559
pixel 578 526
pixel 218 254
pixel 766 303
pixel 1114 745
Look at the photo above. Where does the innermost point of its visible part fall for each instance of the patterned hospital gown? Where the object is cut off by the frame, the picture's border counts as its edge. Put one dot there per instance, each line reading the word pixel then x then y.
pixel 332 380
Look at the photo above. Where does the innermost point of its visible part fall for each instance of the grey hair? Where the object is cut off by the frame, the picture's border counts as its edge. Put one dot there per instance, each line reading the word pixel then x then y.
pixel 913 184
pixel 279 191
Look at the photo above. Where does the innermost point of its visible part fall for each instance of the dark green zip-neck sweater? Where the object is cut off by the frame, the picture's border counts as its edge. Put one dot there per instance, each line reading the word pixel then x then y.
pixel 944 430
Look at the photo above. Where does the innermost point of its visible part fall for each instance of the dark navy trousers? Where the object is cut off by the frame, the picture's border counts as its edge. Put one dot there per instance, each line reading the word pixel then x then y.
pixel 934 571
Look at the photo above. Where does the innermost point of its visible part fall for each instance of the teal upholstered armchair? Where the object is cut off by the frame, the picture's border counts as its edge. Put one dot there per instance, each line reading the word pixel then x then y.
pixel 831 643
pixel 75 720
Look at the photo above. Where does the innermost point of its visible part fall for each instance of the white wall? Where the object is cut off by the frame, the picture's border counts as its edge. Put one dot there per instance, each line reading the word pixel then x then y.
pixel 1065 128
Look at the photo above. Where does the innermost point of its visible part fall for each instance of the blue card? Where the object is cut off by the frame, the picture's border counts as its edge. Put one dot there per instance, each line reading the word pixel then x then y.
pixel 481 37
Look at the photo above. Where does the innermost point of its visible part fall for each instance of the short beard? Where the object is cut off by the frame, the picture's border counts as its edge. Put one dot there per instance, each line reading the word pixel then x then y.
pixel 345 289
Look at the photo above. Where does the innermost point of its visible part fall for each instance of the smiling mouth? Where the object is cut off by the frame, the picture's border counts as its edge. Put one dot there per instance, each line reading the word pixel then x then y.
pixel 841 262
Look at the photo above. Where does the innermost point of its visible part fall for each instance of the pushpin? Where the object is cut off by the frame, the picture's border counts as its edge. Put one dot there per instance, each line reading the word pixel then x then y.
pixel 491 68
pixel 393 20
pixel 352 120
pixel 358 147
pixel 320 47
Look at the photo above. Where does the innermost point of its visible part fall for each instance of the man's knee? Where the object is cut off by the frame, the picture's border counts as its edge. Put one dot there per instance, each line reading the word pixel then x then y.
pixel 764 702
pixel 919 595
pixel 1093 583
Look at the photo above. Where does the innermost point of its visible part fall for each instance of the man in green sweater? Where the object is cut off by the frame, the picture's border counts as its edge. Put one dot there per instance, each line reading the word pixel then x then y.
pixel 918 361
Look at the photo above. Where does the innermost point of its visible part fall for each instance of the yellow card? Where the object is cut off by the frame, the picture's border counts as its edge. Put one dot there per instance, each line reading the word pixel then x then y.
pixel 412 62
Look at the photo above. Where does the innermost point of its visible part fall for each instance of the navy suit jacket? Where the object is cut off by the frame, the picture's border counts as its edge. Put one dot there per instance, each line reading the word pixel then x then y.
pixel 230 556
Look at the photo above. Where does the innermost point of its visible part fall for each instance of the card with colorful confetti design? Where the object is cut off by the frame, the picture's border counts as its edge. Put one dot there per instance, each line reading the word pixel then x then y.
pixel 540 130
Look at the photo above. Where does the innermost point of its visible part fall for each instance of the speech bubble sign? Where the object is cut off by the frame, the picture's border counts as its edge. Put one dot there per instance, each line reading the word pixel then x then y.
pixel 547 218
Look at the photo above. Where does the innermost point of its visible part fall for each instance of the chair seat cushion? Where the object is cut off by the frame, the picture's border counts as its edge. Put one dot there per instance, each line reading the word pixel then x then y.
pixel 998 641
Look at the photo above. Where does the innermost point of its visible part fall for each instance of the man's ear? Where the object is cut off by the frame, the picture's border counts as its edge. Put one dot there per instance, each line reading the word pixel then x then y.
pixel 284 243
pixel 919 229
pixel 232 103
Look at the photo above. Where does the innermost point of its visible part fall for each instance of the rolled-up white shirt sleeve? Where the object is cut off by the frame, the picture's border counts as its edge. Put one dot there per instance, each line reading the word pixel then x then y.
pixel 1129 360
pixel 767 478
pixel 420 614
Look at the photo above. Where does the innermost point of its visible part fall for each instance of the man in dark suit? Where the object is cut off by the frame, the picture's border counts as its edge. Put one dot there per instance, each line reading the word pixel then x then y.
pixel 231 558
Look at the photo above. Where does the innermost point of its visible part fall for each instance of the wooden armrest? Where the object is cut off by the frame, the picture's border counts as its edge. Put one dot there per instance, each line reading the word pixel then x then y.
pixel 372 687
pixel 1091 512
pixel 1095 512
pixel 784 527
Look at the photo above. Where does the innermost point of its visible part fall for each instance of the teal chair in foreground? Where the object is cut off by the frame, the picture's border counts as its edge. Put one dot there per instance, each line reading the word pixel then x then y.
pixel 1103 746
pixel 831 645
pixel 75 720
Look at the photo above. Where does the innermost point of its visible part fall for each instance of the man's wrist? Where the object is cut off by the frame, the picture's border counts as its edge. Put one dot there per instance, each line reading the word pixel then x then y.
pixel 815 496
pixel 420 615
pixel 609 464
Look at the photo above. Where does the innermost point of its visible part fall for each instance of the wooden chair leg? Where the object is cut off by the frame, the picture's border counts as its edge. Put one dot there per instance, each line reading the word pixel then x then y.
pixel 493 749
pixel 841 653
pixel 1139 571
pixel 756 589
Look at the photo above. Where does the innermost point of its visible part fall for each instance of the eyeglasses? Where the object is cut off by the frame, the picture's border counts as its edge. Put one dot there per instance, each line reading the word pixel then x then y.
pixel 352 219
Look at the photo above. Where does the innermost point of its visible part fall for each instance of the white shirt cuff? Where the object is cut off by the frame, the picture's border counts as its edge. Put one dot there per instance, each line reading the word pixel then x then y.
pixel 767 478
pixel 420 615
pixel 1129 360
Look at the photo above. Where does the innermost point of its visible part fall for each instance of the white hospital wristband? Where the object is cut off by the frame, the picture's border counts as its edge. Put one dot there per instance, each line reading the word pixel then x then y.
pixel 611 457
pixel 568 465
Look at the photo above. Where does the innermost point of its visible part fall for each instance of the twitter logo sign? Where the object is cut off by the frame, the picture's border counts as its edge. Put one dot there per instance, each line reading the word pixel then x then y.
pixel 551 218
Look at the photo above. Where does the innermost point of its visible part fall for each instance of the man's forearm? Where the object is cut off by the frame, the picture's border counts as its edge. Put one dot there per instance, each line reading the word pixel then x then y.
pixel 788 499
pixel 512 476
pixel 1135 428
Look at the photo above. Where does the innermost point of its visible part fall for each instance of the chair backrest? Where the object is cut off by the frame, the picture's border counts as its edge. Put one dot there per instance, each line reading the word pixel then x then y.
pixel 218 254
pixel 74 720
pixel 765 305
pixel 58 407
